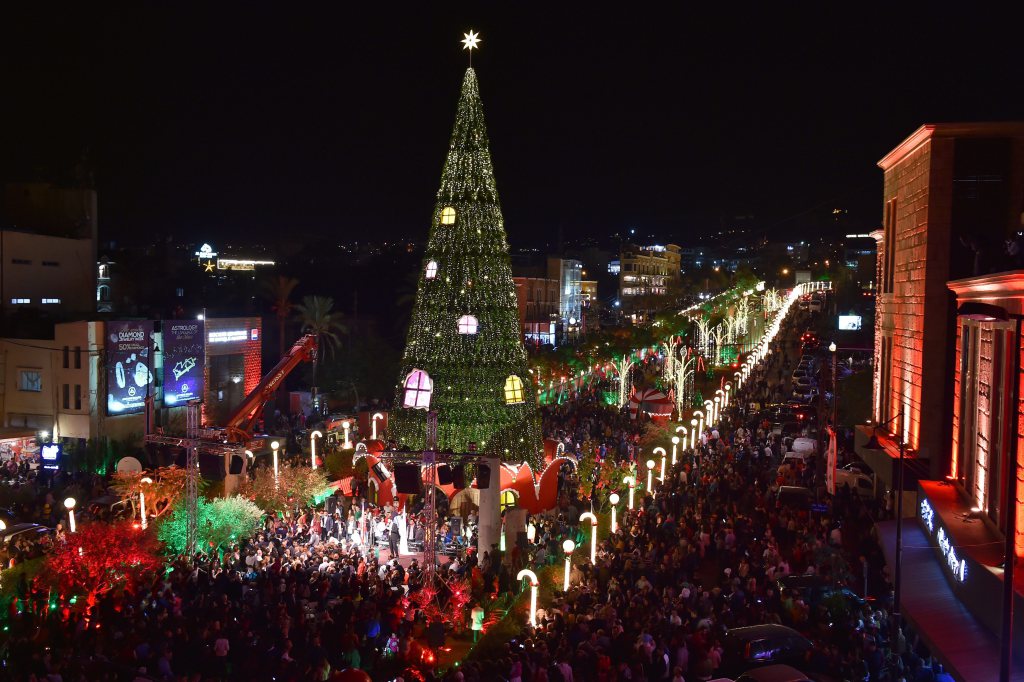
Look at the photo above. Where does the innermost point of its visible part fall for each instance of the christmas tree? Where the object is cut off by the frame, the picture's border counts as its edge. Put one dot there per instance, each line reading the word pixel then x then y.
pixel 464 356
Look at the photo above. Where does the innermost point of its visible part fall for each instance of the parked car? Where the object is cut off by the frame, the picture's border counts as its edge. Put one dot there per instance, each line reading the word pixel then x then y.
pixel 859 483
pixel 859 467
pixel 32 531
pixel 805 446
pixel 764 644
pixel 814 590
pixel 809 337
pixel 794 496
pixel 773 673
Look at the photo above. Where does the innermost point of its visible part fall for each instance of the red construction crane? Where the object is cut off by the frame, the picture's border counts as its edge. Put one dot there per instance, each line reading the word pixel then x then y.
pixel 238 427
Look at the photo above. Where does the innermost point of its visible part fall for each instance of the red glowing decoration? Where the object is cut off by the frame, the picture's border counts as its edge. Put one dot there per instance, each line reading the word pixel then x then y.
pixel 101 557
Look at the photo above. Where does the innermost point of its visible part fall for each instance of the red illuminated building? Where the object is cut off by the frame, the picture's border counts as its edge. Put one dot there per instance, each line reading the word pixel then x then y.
pixel 948 346
pixel 952 195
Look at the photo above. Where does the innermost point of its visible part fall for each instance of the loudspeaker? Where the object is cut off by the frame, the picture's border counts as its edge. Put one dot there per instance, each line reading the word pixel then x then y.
pixel 459 476
pixel 407 478
pixel 236 464
pixel 211 466
pixel 483 476
pixel 444 474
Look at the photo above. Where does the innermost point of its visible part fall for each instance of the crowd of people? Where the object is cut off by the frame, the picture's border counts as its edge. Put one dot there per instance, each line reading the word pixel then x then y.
pixel 312 593
pixel 712 551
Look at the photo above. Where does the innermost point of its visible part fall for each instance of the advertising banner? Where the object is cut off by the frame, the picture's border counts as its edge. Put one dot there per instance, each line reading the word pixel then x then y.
pixel 129 366
pixel 830 465
pixel 183 361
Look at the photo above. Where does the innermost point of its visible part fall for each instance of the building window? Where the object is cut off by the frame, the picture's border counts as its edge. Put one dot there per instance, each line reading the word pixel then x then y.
pixel 431 270
pixel 179 292
pixel 66 357
pixel 48 301
pixel 78 396
pixel 20 301
pixel 30 380
pixel 104 272
pixel 418 389
pixel 889 247
pixel 447 215
pixel 467 324
pixel 66 392
pixel 514 390
pixel 78 357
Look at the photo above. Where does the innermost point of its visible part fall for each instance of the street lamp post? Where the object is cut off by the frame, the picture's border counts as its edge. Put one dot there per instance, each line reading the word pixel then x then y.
pixel 142 500
pixel 664 455
pixel 568 546
pixel 312 446
pixel 593 534
pixel 709 410
pixel 700 415
pixel 675 444
pixel 650 476
pixel 69 504
pixel 835 408
pixel 728 387
pixel 718 409
pixel 614 500
pixel 274 445
pixel 693 434
pixel 631 482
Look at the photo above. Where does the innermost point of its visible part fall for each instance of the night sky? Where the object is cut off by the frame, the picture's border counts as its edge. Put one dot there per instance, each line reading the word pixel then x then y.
pixel 269 122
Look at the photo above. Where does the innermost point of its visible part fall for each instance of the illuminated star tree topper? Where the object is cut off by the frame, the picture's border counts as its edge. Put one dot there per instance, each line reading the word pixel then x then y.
pixel 471 41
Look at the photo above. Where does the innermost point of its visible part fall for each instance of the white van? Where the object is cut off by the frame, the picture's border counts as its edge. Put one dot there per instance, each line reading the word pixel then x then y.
pixel 860 484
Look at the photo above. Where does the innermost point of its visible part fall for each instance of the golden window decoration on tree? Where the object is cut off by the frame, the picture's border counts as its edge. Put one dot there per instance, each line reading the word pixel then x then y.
pixel 514 390
pixel 431 270
pixel 448 215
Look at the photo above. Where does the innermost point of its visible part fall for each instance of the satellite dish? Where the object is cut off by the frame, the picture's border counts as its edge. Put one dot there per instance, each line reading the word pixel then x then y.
pixel 129 464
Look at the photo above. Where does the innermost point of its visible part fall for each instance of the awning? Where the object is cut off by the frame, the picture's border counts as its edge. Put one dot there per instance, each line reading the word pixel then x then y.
pixel 960 641
pixel 16 433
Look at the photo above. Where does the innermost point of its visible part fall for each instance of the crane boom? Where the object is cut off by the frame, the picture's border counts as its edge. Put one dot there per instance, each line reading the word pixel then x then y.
pixel 239 425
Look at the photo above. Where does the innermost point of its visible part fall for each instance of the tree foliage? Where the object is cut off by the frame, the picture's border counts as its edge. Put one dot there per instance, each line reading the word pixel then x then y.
pixel 220 522
pixel 100 557
pixel 295 487
pixel 166 486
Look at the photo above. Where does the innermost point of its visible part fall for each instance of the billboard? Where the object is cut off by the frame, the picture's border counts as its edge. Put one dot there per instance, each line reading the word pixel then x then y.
pixel 50 454
pixel 850 322
pixel 129 366
pixel 183 361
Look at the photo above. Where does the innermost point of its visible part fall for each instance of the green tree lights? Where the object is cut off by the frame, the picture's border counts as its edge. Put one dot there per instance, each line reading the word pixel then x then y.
pixel 464 331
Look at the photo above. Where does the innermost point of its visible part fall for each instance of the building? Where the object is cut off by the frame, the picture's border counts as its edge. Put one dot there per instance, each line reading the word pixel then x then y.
pixel 950 296
pixel 570 274
pixel 47 249
pixel 538 300
pixel 948 188
pixel 120 379
pixel 590 306
pixel 647 271
pixel 233 359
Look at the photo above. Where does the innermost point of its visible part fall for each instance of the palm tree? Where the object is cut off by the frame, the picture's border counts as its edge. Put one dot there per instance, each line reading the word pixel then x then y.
pixel 317 316
pixel 279 292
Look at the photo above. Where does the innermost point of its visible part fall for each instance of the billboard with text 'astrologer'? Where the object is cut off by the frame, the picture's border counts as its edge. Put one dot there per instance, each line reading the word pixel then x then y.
pixel 129 366
pixel 183 361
